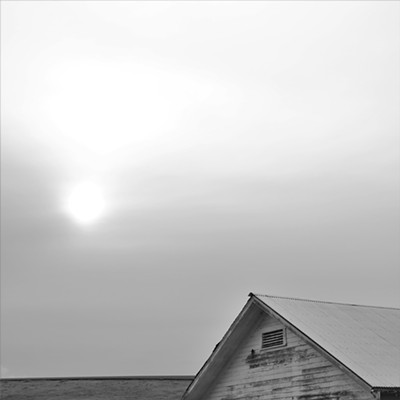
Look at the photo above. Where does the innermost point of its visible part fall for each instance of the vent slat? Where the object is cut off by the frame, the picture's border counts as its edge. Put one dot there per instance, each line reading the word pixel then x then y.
pixel 273 339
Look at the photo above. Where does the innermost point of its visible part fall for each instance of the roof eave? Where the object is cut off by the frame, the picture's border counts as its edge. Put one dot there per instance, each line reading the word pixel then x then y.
pixel 387 389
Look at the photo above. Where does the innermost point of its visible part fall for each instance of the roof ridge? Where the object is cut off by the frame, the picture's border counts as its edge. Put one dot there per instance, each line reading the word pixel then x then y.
pixel 323 301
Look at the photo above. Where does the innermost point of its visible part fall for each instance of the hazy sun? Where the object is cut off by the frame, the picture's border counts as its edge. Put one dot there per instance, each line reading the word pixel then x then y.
pixel 86 203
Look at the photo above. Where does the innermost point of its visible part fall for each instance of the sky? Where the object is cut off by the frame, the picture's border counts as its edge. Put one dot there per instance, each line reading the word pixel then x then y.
pixel 161 160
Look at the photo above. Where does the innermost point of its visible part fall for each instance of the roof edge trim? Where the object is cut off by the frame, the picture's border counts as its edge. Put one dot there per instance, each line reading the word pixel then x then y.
pixel 321 301
pixel 105 378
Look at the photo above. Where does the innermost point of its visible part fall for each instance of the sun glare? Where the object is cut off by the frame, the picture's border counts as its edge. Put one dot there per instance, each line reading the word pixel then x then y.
pixel 86 203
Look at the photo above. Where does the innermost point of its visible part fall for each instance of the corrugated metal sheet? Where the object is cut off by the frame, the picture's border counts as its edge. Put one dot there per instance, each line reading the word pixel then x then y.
pixel 365 339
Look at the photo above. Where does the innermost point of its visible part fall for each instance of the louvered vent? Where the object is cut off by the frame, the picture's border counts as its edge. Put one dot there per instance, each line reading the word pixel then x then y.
pixel 273 339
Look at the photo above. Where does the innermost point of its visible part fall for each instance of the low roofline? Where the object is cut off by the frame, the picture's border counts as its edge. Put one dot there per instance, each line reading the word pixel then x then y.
pixel 94 378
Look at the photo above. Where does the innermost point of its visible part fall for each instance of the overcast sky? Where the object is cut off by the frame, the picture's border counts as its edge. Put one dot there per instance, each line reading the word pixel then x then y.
pixel 161 160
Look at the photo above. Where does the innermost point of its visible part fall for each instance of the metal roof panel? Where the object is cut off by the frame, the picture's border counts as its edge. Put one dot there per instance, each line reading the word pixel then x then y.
pixel 365 339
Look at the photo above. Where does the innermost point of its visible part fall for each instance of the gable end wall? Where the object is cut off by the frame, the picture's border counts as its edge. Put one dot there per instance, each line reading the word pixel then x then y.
pixel 294 372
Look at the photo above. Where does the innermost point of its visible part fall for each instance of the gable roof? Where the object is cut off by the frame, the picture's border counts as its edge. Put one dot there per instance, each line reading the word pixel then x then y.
pixel 364 341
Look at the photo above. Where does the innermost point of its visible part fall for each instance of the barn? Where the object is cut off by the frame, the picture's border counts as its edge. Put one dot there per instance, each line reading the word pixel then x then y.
pixel 294 349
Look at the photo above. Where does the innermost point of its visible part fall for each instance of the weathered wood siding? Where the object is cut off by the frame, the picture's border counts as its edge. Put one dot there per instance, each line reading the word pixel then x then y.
pixel 294 372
